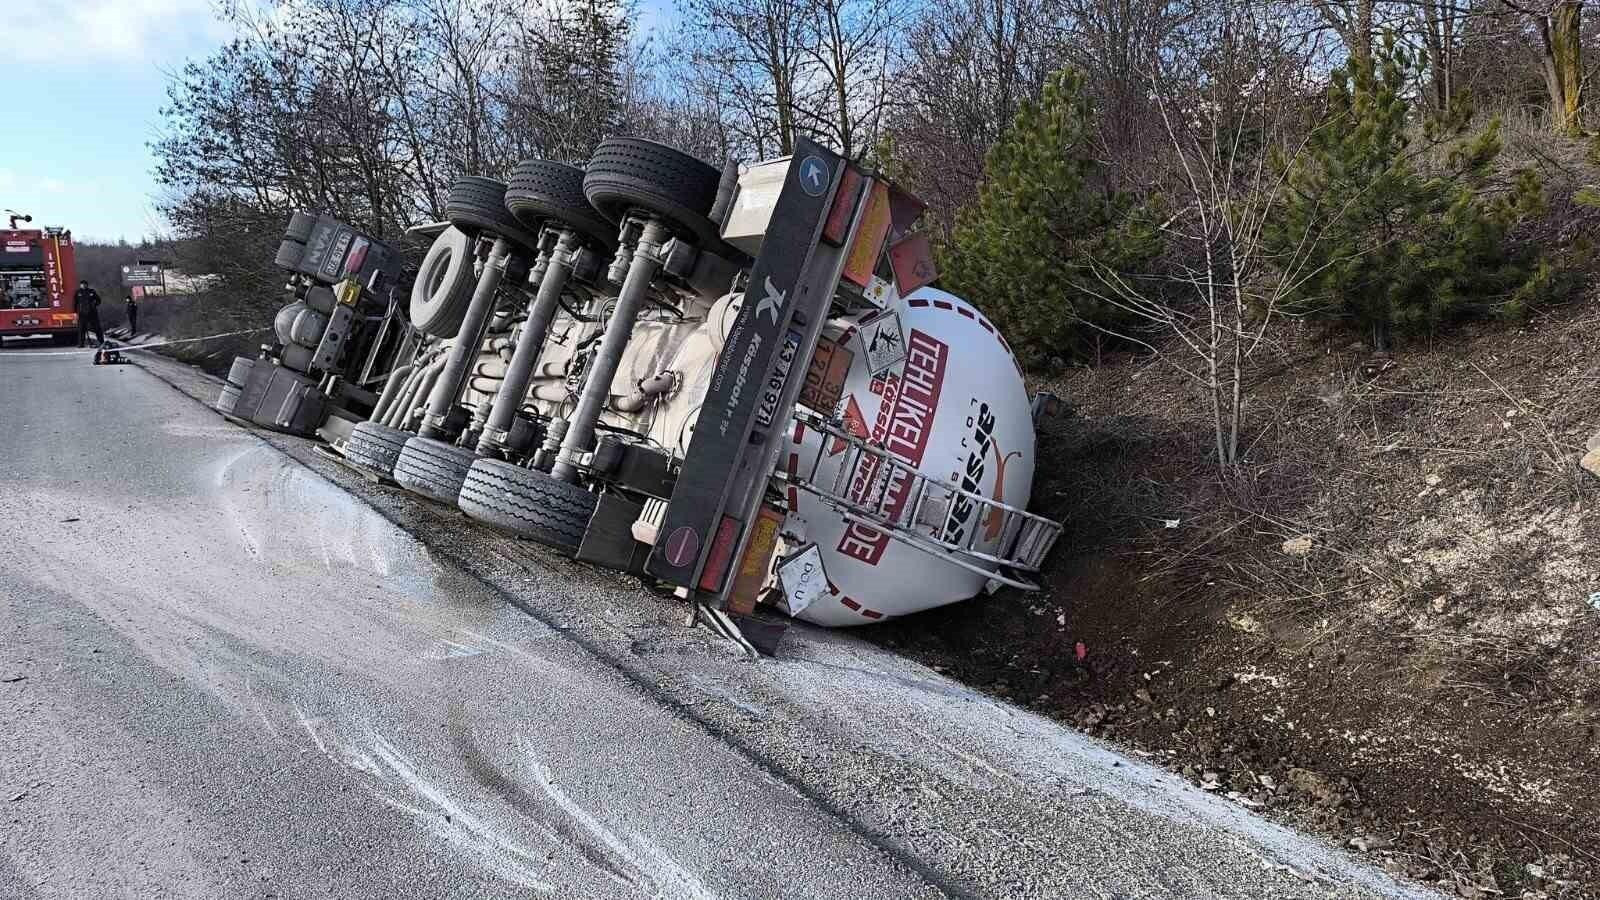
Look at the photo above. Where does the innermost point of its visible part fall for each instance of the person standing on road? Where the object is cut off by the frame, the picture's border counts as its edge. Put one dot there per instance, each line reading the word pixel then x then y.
pixel 88 303
pixel 133 316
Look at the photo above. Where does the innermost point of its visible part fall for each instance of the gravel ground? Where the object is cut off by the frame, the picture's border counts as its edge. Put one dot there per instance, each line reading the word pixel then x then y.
pixel 228 667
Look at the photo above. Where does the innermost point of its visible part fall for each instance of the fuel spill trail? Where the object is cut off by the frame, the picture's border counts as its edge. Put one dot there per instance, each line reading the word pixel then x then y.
pixel 226 669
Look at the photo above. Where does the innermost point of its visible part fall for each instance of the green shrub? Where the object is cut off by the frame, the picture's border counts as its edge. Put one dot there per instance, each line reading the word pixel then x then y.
pixel 1368 238
pixel 1029 249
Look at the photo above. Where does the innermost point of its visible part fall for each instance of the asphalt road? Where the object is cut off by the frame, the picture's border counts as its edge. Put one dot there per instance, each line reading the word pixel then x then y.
pixel 228 668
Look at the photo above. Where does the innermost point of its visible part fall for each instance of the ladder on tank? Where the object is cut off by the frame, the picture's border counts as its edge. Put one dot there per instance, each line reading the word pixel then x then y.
pixel 877 489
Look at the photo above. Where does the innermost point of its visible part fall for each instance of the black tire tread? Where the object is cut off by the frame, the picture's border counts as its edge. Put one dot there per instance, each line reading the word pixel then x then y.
pixel 478 204
pixel 540 189
pixel 436 315
pixel 433 468
pixel 626 173
pixel 527 503
pixel 375 446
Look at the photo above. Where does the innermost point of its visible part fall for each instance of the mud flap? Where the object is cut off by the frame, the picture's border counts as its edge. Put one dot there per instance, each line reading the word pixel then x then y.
pixel 609 540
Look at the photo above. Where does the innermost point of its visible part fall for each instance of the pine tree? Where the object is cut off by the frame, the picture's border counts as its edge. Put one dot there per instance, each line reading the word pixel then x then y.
pixel 1372 241
pixel 1029 250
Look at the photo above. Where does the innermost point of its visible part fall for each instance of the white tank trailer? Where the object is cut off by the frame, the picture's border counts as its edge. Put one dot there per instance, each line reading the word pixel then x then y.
pixel 739 383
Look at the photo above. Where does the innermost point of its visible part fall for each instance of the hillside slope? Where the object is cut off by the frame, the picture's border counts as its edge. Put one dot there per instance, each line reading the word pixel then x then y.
pixel 1384 628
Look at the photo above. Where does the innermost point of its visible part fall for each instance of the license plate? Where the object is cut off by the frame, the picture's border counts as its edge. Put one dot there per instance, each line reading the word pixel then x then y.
pixel 779 377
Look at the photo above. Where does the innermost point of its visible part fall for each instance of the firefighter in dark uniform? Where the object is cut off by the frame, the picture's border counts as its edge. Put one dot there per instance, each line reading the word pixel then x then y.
pixel 88 302
pixel 132 310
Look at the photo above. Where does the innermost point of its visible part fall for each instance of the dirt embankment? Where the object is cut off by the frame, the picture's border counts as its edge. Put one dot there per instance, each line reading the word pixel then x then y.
pixel 1383 628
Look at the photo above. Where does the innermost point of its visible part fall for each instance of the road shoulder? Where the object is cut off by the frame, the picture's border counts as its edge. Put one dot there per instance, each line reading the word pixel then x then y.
pixel 980 797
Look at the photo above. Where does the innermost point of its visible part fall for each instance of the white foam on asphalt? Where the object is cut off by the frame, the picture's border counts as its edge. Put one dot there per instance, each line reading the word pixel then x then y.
pixel 649 860
pixel 447 820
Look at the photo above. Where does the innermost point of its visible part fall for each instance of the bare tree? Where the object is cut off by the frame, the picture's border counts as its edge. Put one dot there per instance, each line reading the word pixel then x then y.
pixel 566 93
pixel 756 48
pixel 1559 27
pixel 1116 44
pixel 850 44
pixel 976 61
pixel 1209 312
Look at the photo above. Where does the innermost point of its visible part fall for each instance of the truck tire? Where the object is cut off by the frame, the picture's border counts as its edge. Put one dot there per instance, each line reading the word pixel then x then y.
pixel 633 173
pixel 433 469
pixel 289 254
pixel 375 446
pixel 479 204
pixel 228 399
pixel 527 503
pixel 300 226
pixel 444 284
pixel 541 190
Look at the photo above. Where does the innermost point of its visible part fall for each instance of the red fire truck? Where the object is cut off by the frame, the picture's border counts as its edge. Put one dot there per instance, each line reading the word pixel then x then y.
pixel 37 278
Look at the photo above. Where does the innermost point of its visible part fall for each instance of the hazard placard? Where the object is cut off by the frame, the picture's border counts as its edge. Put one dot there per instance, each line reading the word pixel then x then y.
pixel 883 342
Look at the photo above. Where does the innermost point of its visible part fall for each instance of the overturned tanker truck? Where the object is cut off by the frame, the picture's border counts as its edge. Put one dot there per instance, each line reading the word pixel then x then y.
pixel 737 382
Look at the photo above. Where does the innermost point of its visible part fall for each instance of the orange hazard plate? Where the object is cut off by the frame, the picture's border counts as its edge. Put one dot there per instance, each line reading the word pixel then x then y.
pixel 757 561
pixel 826 376
pixel 868 248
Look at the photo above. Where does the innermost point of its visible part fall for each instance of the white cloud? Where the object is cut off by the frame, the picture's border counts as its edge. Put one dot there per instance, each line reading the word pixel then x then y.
pixel 98 31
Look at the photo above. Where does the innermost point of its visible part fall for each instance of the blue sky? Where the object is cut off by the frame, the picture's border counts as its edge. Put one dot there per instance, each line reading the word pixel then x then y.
pixel 84 88
pixel 85 83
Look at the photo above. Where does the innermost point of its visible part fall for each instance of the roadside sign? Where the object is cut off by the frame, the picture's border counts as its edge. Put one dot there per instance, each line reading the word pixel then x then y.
pixel 143 275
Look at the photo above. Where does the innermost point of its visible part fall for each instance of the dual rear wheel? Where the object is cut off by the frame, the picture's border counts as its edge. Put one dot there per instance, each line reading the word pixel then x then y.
pixel 625 175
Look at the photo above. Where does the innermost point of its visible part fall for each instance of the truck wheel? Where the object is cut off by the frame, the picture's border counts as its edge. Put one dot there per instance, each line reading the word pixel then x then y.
pixel 444 284
pixel 479 204
pixel 433 468
pixel 375 446
pixel 527 503
pixel 542 190
pixel 632 173
pixel 228 399
pixel 299 228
